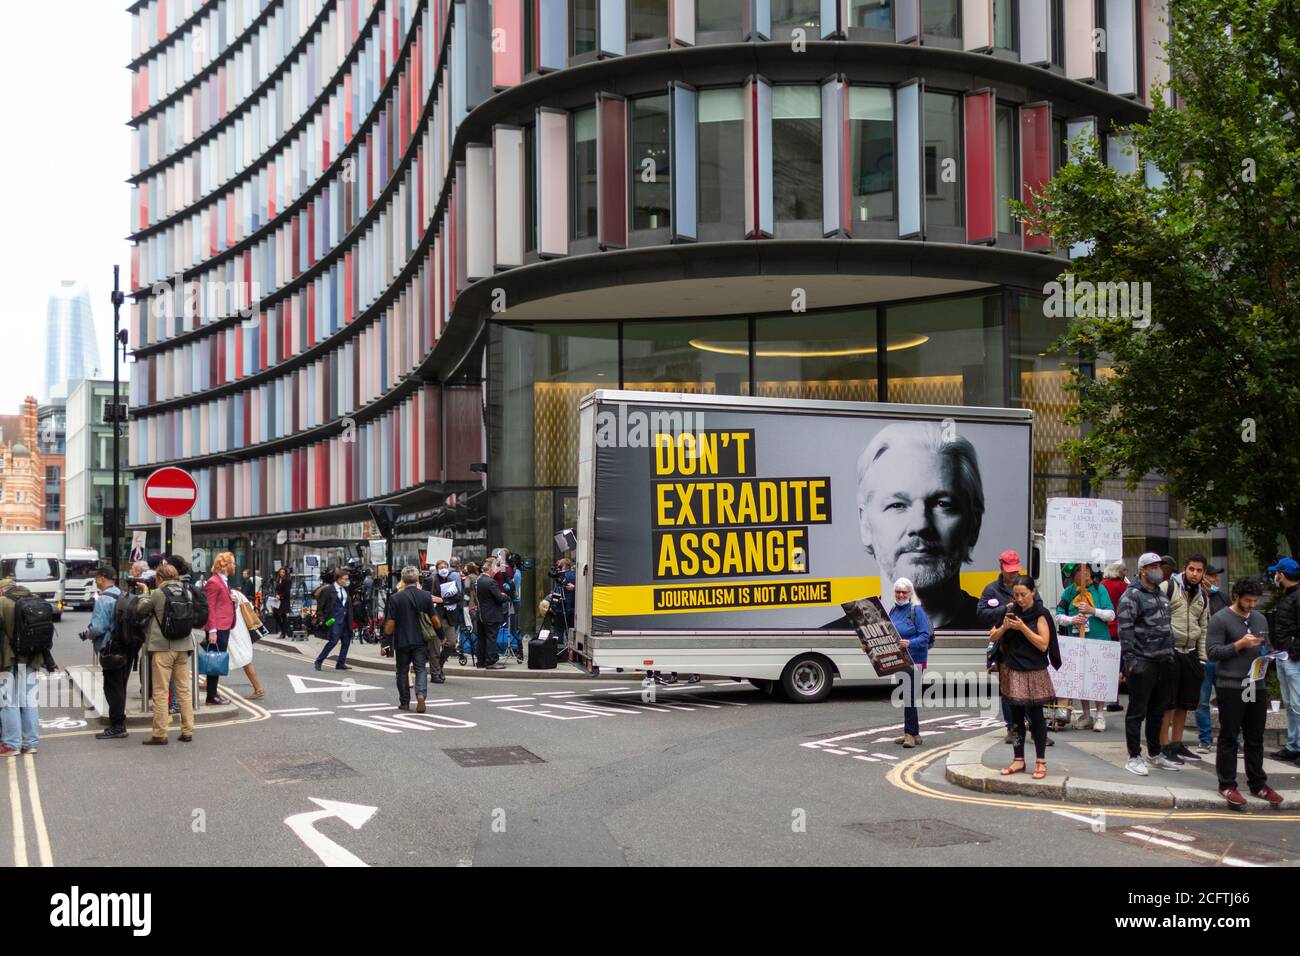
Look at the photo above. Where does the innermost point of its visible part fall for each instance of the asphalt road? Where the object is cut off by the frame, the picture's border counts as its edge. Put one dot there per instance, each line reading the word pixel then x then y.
pixel 547 773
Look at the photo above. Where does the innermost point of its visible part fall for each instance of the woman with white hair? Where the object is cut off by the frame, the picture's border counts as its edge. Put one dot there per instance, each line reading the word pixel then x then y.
pixel 914 629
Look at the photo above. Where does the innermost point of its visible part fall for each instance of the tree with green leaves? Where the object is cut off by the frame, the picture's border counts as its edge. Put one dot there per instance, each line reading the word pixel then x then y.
pixel 1204 388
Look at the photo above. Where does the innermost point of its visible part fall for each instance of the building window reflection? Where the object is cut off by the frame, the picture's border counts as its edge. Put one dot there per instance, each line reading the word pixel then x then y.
pixel 722 162
pixel 669 355
pixel 871 138
pixel 943 160
pixel 649 164
pixel 946 351
pixel 831 356
pixel 583 166
pixel 797 153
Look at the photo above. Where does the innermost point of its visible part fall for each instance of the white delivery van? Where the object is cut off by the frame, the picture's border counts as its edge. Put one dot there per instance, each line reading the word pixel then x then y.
pixel 732 536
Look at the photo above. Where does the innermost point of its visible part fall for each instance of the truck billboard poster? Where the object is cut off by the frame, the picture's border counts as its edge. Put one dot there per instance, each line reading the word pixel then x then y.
pixel 767 515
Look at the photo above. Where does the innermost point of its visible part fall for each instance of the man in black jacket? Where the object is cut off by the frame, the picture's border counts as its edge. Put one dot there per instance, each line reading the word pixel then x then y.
pixel 334 616
pixel 492 607
pixel 1286 637
pixel 404 610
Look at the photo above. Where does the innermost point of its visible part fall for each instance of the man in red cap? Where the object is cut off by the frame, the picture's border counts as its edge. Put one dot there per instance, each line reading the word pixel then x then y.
pixel 996 598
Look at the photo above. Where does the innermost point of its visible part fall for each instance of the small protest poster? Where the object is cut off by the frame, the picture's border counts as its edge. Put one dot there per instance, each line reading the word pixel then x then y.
pixel 880 639
pixel 1089 669
pixel 1084 529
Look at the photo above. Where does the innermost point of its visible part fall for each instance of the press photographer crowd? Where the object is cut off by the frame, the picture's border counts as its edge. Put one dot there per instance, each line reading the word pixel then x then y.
pixel 167 612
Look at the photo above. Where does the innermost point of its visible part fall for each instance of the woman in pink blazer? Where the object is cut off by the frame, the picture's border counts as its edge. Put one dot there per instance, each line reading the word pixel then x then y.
pixel 221 613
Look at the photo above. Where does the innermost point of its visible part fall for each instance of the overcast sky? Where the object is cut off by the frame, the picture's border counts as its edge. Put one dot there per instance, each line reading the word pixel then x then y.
pixel 63 169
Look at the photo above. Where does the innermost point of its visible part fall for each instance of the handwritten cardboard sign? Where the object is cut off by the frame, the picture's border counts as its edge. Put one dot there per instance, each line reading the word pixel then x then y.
pixel 1084 529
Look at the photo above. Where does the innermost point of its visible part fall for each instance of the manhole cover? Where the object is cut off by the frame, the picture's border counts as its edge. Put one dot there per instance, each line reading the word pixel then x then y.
pixel 492 756
pixel 290 768
pixel 920 833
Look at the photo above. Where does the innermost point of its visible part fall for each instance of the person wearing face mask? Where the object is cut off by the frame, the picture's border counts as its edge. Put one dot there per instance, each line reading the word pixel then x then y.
pixel 1286 637
pixel 914 628
pixel 1148 650
pixel 451 588
pixel 1217 601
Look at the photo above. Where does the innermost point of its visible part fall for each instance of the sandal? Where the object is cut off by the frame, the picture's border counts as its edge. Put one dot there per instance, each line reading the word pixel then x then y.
pixel 258 696
pixel 1009 770
pixel 1040 769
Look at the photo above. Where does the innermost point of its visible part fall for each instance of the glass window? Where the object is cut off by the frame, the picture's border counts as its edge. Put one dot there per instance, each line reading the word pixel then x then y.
pixel 717 15
pixel 647 19
pixel 530 36
pixel 828 356
pixel 583 17
pixel 871 139
pixel 873 14
pixel 1004 30
pixel 945 351
pixel 796 13
pixel 649 162
pixel 797 152
pixel 1008 166
pixel 1039 376
pixel 668 355
pixel 722 157
pixel 540 373
pixel 40 569
pixel 1057 12
pixel 943 160
pixel 583 165
pixel 941 18
pixel 530 188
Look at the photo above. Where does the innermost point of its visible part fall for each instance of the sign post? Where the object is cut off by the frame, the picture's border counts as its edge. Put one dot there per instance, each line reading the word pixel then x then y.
pixel 171 493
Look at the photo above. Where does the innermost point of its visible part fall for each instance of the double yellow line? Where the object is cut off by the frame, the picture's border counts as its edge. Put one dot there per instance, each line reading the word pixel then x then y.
pixel 18 768
pixel 906 775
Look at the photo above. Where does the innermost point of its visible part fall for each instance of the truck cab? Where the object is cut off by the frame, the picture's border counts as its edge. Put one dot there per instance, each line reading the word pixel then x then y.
pixel 41 573
pixel 79 583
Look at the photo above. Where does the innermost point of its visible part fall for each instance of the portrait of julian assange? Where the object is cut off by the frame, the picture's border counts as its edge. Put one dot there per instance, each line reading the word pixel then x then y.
pixel 920 508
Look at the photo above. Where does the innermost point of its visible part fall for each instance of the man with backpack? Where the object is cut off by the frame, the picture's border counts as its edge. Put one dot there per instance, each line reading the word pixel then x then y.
pixel 169 615
pixel 28 623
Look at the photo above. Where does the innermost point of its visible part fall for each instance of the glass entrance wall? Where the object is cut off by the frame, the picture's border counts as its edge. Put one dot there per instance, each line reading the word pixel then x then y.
pixel 991 348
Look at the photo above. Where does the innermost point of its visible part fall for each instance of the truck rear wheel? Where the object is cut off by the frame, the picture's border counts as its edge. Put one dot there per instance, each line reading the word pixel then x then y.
pixel 807 679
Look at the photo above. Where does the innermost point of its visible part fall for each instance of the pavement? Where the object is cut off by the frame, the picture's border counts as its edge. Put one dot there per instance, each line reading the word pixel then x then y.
pixel 327 770
pixel 1087 768
pixel 367 656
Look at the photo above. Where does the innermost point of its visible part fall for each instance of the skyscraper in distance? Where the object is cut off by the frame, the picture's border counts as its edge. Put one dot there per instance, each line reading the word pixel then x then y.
pixel 71 352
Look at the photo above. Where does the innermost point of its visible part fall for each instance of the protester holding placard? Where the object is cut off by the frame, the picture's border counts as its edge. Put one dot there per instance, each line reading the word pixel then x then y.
pixel 1026 642
pixel 915 634
pixel 1085 611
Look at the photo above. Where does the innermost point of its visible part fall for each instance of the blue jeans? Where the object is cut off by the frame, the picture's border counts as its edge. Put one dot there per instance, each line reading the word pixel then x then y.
pixel 1288 678
pixel 1204 726
pixel 20 714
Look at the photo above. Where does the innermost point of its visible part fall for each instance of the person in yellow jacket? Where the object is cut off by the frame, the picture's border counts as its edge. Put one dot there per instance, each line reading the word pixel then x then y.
pixel 170 658
pixel 1189 616
pixel 20 716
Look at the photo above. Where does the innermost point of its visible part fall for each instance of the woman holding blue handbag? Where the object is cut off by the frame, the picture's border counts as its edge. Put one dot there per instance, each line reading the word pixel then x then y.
pixel 221 615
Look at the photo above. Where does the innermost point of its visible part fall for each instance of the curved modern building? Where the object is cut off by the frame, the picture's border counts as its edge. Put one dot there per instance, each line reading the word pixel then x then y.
pixel 383 247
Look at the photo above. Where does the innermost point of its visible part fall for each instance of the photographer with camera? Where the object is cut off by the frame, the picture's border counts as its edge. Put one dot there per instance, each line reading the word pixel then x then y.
pixel 100 632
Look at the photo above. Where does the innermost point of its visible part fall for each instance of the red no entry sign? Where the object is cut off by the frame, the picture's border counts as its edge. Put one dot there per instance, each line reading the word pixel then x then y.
pixel 170 492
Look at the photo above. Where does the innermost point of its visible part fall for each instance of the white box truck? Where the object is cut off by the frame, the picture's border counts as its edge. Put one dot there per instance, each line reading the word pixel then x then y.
pixel 35 559
pixel 723 535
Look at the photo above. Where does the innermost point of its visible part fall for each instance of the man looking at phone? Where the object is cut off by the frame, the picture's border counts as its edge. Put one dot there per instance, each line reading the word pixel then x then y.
pixel 1233 640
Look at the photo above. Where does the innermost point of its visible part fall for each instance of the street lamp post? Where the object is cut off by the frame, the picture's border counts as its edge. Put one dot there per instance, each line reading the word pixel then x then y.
pixel 118 340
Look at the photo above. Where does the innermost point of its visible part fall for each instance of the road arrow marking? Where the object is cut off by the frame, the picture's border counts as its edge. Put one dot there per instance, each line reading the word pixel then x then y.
pixel 330 853
pixel 334 686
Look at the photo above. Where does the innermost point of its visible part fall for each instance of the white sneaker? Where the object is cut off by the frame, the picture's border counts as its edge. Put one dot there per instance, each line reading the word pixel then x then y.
pixel 1163 762
pixel 1099 725
pixel 1083 722
pixel 1136 765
